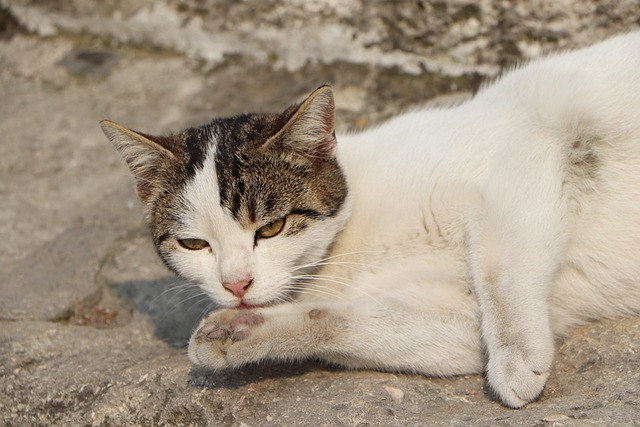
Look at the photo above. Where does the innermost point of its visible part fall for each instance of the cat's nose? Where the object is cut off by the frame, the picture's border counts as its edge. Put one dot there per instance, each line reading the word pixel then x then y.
pixel 238 288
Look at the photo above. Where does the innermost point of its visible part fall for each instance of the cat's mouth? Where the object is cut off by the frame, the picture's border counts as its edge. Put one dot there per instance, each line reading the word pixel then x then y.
pixel 245 306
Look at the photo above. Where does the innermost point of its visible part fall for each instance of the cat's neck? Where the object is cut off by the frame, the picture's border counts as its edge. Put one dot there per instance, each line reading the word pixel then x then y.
pixel 384 176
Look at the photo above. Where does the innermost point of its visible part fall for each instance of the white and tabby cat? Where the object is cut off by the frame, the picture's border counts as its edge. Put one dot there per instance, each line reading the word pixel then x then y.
pixel 445 241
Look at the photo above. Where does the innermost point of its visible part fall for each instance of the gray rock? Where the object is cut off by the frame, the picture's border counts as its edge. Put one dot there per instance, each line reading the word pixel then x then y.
pixel 93 327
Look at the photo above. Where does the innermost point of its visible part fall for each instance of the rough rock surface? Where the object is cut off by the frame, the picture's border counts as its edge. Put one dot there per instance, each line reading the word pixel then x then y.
pixel 93 328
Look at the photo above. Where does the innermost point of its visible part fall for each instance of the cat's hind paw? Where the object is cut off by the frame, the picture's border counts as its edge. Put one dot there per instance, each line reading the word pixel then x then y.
pixel 516 379
pixel 217 333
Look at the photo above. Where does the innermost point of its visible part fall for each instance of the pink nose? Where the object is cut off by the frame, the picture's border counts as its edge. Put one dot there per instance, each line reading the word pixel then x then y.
pixel 238 288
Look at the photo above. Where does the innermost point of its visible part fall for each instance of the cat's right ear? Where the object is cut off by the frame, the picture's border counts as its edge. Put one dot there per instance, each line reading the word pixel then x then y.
pixel 144 154
pixel 309 132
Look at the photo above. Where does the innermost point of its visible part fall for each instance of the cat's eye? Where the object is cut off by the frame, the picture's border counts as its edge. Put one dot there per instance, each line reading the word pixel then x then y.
pixel 270 230
pixel 193 244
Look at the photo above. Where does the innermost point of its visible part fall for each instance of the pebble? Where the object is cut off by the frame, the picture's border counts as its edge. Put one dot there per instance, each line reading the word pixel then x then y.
pixel 555 418
pixel 396 394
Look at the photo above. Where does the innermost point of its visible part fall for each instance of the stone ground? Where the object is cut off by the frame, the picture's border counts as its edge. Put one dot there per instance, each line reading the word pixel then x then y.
pixel 93 328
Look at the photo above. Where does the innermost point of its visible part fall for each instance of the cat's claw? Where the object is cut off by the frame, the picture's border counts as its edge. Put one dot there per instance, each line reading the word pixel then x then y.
pixel 516 380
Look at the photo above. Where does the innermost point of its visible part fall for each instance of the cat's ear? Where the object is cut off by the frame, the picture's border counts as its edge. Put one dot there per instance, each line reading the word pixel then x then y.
pixel 144 154
pixel 309 132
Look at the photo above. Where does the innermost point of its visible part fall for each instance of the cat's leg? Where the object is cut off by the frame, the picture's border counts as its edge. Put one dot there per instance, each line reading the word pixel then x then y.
pixel 516 239
pixel 432 337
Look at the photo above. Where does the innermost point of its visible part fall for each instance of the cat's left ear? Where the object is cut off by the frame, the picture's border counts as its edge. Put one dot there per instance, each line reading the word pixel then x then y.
pixel 310 131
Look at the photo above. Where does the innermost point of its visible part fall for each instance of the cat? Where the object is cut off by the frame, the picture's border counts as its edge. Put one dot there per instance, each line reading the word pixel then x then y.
pixel 445 241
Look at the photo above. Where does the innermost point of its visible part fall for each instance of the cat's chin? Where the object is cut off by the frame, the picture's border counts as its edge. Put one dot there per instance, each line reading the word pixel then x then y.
pixel 243 306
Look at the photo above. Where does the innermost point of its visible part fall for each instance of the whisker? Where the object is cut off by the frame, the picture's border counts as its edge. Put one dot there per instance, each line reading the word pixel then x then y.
pixel 178 290
pixel 325 259
pixel 339 281
pixel 390 255
pixel 211 306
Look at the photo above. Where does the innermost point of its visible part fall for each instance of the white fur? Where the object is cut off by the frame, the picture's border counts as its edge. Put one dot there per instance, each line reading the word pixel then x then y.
pixel 471 240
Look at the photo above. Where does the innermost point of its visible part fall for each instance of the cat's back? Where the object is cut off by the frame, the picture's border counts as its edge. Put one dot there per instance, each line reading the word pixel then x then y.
pixel 567 88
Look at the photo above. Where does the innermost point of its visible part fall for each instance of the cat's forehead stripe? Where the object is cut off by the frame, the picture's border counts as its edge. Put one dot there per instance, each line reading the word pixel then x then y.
pixel 235 137
pixel 257 186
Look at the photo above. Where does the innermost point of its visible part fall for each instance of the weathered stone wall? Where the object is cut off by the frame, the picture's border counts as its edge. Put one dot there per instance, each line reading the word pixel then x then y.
pixel 452 37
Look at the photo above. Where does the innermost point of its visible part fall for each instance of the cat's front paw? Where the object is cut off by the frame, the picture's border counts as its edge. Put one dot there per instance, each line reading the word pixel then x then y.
pixel 518 377
pixel 219 332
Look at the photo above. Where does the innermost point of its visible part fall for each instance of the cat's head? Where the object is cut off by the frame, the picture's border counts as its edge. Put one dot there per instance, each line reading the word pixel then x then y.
pixel 242 204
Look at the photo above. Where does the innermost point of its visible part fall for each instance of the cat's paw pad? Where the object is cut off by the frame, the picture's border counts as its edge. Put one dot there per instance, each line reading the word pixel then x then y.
pixel 218 331
pixel 516 378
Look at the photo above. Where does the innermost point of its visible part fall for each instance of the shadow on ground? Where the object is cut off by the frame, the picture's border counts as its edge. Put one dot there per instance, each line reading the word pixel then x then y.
pixel 174 306
pixel 206 378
